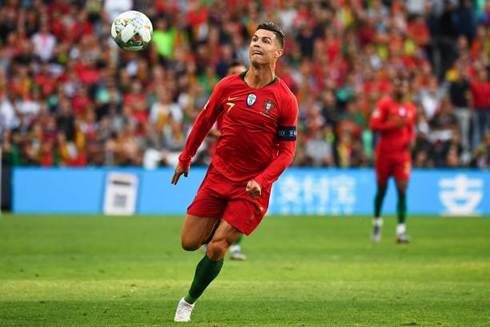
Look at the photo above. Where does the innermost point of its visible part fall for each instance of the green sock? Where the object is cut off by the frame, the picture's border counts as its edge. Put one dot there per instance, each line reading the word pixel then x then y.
pixel 239 240
pixel 402 208
pixel 378 203
pixel 206 272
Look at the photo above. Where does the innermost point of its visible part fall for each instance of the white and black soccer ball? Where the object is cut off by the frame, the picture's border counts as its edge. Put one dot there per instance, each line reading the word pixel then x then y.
pixel 132 30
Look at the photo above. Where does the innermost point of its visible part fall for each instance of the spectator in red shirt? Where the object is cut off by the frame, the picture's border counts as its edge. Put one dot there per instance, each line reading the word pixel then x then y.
pixel 136 100
pixel 81 101
pixel 480 91
pixel 419 32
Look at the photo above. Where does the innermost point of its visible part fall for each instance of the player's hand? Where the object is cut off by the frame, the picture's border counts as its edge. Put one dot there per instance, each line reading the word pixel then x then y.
pixel 399 122
pixel 179 171
pixel 253 189
pixel 411 145
pixel 215 133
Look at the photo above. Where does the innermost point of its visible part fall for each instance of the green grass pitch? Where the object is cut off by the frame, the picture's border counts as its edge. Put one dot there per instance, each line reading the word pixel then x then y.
pixel 302 271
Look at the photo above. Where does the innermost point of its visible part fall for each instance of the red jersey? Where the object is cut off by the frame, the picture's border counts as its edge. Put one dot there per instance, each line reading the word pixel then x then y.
pixel 394 140
pixel 481 94
pixel 258 130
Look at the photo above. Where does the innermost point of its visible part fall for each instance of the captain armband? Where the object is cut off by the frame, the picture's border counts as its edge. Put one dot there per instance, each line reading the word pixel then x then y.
pixel 286 133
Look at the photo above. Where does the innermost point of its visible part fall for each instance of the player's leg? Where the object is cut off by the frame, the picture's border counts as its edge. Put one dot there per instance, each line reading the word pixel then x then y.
pixel 382 169
pixel 378 204
pixel 204 246
pixel 204 214
pixel 210 266
pixel 402 176
pixel 241 215
pixel 196 230
pixel 236 250
pixel 379 198
pixel 401 230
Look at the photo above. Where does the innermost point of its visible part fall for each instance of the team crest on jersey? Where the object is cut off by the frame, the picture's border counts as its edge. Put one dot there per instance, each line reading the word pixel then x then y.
pixel 251 98
pixel 268 106
pixel 402 111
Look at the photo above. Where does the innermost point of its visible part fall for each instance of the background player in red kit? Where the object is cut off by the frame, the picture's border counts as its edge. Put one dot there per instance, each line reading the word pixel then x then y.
pixel 236 67
pixel 394 119
pixel 257 143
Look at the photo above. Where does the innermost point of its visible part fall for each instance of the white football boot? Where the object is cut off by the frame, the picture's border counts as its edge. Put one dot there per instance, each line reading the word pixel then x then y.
pixel 236 253
pixel 183 312
pixel 377 224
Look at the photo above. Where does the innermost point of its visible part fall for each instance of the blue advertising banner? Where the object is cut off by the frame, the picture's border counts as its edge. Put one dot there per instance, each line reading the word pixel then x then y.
pixel 37 190
pixel 339 192
pixel 298 191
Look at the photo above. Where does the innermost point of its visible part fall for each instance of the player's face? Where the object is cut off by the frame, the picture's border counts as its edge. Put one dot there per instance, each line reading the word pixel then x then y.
pixel 236 70
pixel 400 88
pixel 264 48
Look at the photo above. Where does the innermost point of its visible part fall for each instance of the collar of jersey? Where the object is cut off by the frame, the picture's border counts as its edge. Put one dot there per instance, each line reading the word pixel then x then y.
pixel 242 76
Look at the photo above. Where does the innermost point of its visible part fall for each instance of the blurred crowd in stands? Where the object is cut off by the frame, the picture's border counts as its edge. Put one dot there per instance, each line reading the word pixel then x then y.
pixel 70 97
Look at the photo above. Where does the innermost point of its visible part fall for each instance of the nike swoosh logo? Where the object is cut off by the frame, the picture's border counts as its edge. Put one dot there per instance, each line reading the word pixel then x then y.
pixel 231 99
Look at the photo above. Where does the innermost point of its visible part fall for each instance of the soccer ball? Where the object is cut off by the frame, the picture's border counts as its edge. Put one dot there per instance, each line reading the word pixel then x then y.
pixel 132 30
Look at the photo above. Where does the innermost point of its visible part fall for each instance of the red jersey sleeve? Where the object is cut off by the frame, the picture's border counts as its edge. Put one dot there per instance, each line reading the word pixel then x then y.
pixel 286 136
pixel 378 121
pixel 203 124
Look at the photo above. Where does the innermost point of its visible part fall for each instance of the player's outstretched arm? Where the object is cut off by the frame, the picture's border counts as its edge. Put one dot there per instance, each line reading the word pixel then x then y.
pixel 178 172
pixel 203 124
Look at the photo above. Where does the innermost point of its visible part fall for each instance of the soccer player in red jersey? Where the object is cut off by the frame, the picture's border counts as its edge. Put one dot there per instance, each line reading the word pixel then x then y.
pixel 257 143
pixel 394 120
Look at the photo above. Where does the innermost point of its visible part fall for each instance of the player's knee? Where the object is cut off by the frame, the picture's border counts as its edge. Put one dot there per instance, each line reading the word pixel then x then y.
pixel 190 244
pixel 382 189
pixel 401 192
pixel 217 249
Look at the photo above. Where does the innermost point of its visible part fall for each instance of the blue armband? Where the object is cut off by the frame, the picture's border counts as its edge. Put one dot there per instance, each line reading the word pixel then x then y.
pixel 286 133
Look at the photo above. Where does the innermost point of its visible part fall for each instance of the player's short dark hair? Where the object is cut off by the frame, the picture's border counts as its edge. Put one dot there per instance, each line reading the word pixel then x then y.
pixel 236 63
pixel 270 26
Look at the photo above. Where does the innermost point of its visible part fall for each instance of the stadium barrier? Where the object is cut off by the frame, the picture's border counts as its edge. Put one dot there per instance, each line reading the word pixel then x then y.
pixel 299 191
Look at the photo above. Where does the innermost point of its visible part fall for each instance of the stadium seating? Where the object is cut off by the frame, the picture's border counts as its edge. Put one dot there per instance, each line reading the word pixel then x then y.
pixel 70 97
